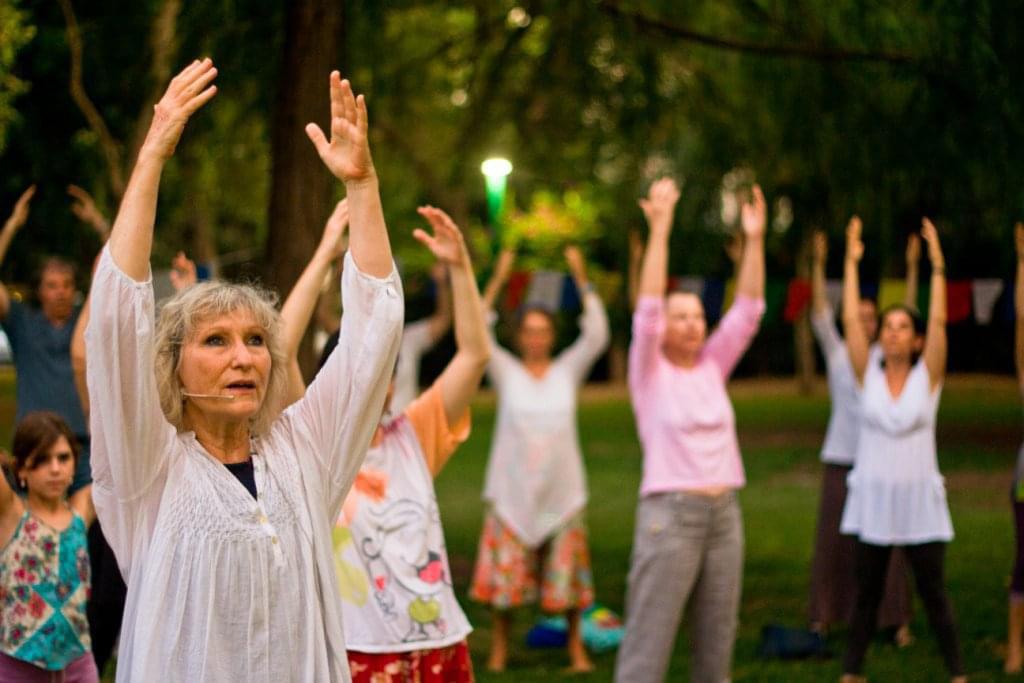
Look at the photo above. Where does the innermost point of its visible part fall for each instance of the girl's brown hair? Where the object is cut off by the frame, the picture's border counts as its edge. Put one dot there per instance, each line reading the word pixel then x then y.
pixel 35 434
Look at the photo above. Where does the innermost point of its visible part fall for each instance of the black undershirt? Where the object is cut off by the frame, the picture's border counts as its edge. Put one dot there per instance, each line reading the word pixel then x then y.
pixel 245 473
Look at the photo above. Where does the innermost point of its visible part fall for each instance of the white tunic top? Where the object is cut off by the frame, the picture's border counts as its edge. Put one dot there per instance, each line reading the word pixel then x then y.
pixel 416 340
pixel 221 586
pixel 390 554
pixel 535 481
pixel 840 445
pixel 896 494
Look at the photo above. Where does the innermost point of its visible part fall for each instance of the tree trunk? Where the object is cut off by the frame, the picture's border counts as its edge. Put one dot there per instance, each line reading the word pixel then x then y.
pixel 300 188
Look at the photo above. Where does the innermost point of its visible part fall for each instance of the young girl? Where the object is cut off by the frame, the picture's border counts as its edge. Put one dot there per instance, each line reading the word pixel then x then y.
pixel 401 619
pixel 44 561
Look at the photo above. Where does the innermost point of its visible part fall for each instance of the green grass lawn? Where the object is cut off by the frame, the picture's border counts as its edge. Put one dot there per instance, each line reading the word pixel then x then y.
pixel 780 433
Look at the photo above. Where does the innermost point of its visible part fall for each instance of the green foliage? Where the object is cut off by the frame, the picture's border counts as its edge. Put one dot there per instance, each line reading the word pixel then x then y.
pixel 552 223
pixel 888 110
pixel 15 33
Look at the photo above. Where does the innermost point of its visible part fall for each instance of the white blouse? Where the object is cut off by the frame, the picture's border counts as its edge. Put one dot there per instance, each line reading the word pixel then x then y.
pixel 221 586
pixel 840 445
pixel 535 480
pixel 896 494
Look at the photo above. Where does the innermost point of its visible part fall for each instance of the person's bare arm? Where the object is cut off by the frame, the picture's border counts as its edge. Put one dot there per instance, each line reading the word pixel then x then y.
pixel 78 357
pixel 85 210
pixel 754 218
pixel 131 240
pixel 636 259
pixel 857 345
pixel 10 505
pixel 819 255
pixel 298 307
pixel 461 377
pixel 658 207
pixel 502 270
pixel 11 226
pixel 441 320
pixel 913 268
pixel 935 345
pixel 81 502
pixel 1018 232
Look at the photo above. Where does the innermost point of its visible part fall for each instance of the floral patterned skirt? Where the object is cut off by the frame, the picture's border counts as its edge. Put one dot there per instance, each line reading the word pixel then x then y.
pixel 508 573
pixel 441 665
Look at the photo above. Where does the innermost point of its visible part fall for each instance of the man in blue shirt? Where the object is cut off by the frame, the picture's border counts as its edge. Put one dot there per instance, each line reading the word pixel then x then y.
pixel 40 338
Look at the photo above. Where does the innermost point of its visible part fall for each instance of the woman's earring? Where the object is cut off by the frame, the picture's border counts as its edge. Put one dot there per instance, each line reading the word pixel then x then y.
pixel 23 485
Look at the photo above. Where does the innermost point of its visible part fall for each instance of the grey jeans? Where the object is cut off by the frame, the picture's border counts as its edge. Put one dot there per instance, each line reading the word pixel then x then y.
pixel 684 546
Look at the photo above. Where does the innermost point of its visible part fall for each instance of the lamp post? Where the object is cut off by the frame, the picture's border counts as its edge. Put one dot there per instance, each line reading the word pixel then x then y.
pixel 495 172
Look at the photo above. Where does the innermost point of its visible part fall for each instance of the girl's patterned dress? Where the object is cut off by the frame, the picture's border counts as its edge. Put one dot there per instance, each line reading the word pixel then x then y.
pixel 44 586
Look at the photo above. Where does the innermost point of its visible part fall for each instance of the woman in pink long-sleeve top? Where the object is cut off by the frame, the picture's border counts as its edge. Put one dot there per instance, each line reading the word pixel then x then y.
pixel 688 540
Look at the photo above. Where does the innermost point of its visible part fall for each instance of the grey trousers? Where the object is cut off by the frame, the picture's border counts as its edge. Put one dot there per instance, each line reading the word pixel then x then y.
pixel 687 552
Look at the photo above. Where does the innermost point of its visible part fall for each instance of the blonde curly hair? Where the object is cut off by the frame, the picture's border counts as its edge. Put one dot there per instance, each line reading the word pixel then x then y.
pixel 179 317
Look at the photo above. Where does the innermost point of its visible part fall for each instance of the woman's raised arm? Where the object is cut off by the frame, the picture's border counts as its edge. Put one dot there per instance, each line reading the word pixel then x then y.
pixel 754 218
pixel 1018 231
pixel 131 239
pixel 913 268
pixel 298 307
pixel 935 340
pixel 502 270
pixel 461 377
pixel 658 206
pixel 857 345
pixel 347 156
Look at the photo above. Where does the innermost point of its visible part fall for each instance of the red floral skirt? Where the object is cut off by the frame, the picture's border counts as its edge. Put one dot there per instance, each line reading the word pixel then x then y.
pixel 441 665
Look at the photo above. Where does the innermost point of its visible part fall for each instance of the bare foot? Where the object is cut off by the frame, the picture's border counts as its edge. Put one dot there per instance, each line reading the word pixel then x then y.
pixel 904 637
pixel 496 661
pixel 852 678
pixel 583 666
pixel 958 679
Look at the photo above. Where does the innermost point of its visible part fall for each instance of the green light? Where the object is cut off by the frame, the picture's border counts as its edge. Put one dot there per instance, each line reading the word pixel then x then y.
pixel 495 172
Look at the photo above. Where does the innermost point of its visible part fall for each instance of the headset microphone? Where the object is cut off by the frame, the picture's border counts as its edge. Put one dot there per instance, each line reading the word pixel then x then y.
pixel 222 397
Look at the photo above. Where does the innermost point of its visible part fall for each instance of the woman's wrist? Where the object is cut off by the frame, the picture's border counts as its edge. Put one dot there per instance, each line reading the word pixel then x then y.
pixel 363 182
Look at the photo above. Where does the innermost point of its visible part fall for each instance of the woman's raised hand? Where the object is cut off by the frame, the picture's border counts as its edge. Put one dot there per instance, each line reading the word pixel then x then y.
pixel 20 212
pixel 660 204
pixel 1018 236
pixel 333 239
pixel 188 91
pixel 347 154
pixel 854 245
pixel 183 272
pixel 86 211
pixel 446 243
pixel 931 236
pixel 754 214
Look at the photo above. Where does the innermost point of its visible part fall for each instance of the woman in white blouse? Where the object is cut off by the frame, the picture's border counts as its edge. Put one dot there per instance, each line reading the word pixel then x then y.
pixel 219 511
pixel 833 579
pixel 896 494
pixel 534 538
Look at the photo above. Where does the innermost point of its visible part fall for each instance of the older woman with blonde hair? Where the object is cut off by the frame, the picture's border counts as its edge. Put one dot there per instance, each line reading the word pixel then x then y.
pixel 218 506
